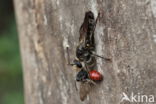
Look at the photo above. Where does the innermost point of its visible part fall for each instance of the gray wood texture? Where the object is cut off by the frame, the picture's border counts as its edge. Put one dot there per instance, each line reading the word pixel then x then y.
pixel 126 32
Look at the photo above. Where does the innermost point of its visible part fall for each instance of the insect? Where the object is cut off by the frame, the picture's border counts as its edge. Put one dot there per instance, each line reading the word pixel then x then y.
pixel 85 60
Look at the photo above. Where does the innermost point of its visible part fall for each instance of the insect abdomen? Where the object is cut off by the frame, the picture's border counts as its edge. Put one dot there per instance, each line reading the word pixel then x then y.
pixel 91 62
pixel 95 75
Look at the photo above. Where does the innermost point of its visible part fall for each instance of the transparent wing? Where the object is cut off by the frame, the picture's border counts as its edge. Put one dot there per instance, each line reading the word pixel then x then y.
pixel 84 90
pixel 83 33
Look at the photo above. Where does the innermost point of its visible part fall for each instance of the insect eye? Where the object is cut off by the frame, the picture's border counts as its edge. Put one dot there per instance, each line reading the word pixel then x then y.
pixel 82 75
pixel 77 63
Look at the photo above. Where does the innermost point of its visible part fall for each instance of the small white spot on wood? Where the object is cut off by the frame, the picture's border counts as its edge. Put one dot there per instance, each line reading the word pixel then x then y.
pixel 154 38
pixel 65 42
pixel 87 98
pixel 41 99
pixel 44 79
pixel 72 28
pixel 49 91
pixel 57 2
pixel 65 46
pixel 45 20
pixel 153 7
pixel 60 19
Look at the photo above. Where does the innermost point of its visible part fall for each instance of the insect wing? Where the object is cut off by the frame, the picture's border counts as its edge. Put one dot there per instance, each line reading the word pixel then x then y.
pixel 84 90
pixel 83 33
pixel 84 28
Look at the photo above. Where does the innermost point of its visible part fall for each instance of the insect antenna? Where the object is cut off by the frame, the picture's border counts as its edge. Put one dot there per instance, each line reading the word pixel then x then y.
pixel 76 86
pixel 106 59
pixel 68 57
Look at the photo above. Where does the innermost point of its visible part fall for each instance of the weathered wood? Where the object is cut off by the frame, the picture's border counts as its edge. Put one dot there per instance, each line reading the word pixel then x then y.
pixel 126 32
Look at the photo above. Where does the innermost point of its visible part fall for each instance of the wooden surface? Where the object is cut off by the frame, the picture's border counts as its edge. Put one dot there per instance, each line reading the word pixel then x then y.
pixel 126 32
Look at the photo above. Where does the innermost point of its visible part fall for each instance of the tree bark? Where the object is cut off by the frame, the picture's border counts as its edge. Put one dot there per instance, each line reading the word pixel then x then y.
pixel 126 32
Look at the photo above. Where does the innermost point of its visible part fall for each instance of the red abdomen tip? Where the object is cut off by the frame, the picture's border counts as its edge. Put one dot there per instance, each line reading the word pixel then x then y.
pixel 95 75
